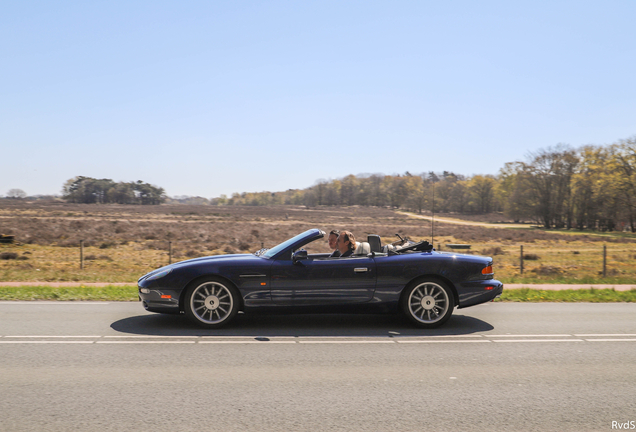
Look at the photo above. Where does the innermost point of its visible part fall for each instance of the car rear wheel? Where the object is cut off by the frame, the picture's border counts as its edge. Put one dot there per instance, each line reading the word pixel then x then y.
pixel 428 303
pixel 211 303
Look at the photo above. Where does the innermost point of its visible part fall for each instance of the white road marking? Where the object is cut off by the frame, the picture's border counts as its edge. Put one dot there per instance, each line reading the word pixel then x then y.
pixel 254 337
pixel 245 342
pixel 149 337
pixel 389 339
pixel 45 342
pixel 52 337
pixel 345 341
pixel 539 340
pixel 545 335
pixel 144 342
pixel 443 341
pixel 438 336
pixel 606 335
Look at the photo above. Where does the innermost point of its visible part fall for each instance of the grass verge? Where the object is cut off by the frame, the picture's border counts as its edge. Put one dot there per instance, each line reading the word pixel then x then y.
pixel 78 293
pixel 129 293
pixel 568 296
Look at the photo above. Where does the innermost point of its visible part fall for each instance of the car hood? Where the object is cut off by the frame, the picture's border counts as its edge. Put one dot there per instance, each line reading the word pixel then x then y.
pixel 204 260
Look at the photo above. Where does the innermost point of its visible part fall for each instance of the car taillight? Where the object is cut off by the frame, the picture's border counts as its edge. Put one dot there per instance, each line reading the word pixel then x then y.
pixel 487 270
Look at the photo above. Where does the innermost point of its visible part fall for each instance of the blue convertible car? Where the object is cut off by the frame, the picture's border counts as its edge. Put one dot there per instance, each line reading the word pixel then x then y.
pixel 411 277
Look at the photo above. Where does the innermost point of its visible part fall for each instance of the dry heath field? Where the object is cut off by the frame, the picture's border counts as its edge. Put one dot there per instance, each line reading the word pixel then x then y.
pixel 123 242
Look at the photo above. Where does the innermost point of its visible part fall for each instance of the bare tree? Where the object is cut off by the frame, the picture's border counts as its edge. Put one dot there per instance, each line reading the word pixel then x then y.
pixel 549 175
pixel 16 194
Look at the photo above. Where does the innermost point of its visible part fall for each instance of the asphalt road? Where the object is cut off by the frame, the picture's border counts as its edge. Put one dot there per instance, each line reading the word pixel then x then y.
pixel 494 367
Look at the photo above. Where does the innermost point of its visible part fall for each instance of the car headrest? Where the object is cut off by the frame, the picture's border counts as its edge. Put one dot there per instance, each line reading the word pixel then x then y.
pixel 362 248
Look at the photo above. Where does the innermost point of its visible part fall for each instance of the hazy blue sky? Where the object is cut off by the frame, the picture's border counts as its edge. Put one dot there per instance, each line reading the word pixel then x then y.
pixel 214 97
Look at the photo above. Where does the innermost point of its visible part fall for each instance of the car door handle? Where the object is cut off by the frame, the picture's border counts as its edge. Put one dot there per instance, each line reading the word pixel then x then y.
pixel 360 269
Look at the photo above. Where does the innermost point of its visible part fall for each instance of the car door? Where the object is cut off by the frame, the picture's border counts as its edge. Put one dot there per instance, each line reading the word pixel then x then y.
pixel 323 281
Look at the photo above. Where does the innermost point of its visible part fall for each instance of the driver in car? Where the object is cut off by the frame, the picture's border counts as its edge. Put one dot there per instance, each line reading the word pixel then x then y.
pixel 333 241
pixel 346 243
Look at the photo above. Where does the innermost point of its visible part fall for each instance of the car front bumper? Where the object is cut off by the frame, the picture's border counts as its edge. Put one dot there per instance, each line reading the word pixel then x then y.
pixel 159 299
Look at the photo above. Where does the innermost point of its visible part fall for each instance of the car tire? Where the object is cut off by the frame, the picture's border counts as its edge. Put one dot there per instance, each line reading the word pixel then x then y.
pixel 428 303
pixel 211 303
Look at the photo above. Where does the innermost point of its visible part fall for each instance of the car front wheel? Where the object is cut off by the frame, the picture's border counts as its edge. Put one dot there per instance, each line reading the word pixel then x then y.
pixel 428 303
pixel 211 303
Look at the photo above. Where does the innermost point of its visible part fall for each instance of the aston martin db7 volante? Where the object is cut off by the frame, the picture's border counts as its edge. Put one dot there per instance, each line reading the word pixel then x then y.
pixel 413 278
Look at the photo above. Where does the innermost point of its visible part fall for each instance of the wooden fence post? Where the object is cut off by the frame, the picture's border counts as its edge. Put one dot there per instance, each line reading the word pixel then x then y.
pixel 604 260
pixel 81 254
pixel 170 252
pixel 521 260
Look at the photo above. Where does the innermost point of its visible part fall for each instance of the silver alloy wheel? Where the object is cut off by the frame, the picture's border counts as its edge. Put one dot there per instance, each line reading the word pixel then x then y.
pixel 211 302
pixel 428 302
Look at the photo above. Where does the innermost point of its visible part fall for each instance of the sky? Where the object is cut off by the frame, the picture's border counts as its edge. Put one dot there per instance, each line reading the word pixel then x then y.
pixel 205 98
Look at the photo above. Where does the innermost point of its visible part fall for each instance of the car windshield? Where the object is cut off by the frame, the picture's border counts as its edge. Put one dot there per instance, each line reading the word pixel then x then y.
pixel 284 245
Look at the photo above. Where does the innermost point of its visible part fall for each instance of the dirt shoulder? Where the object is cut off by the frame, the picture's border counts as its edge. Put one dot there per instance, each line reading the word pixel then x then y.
pixel 466 222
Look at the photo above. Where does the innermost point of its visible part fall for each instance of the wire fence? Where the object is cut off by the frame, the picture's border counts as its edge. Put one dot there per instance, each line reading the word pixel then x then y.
pixel 511 261
pixel 587 257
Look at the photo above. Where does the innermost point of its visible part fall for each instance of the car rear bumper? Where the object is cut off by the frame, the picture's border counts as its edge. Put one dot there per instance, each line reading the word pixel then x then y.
pixel 477 292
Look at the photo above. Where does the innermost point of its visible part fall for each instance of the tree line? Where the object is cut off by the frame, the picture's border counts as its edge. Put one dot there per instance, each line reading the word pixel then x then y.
pixel 89 190
pixel 591 187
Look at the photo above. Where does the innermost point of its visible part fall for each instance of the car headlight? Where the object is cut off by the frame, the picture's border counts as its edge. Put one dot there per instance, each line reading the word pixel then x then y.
pixel 159 275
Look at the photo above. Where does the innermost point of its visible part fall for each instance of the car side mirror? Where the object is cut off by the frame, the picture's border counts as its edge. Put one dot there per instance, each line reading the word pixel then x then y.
pixel 299 255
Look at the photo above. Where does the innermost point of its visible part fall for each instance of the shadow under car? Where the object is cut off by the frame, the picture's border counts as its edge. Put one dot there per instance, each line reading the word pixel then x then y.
pixel 272 325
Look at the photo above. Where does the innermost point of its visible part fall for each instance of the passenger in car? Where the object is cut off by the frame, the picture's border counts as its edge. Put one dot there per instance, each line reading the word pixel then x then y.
pixel 346 243
pixel 333 243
